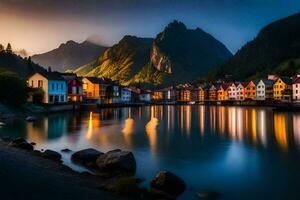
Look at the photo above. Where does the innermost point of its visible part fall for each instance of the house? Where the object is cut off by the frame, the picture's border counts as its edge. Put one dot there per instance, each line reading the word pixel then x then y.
pixel 74 87
pixel 212 93
pixel 184 93
pixel 222 93
pixel 114 93
pixel 91 88
pixel 296 89
pixel 264 90
pixel 145 96
pixel 126 95
pixel 232 92
pixel 52 84
pixel 200 93
pixel 250 91
pixel 240 91
pixel 169 94
pixel 157 95
pixel 282 89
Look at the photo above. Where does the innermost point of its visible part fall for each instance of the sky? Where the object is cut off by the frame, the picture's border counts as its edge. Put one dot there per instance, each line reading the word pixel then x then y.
pixel 37 26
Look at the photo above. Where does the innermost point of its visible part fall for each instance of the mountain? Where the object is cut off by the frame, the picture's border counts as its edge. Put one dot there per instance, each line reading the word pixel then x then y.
pixel 176 55
pixel 276 49
pixel 69 55
pixel 21 66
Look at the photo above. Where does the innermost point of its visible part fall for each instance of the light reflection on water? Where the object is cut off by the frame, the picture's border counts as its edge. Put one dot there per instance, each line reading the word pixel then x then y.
pixel 233 150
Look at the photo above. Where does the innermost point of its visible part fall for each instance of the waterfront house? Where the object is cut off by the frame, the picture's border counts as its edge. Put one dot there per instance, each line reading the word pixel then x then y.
pixel 212 93
pixel 240 91
pixel 184 93
pixel 222 93
pixel 250 91
pixel 126 95
pixel 74 87
pixel 232 91
pixel 264 90
pixel 296 90
pixel 157 95
pixel 282 89
pixel 169 94
pixel 114 93
pixel 52 84
pixel 200 92
pixel 145 96
pixel 91 88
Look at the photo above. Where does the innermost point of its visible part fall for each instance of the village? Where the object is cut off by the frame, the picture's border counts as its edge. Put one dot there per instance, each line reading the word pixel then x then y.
pixel 62 88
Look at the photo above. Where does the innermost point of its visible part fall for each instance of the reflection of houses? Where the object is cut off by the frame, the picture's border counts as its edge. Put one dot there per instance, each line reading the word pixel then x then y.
pixel 53 85
pixel 264 90
pixel 250 91
pixel 296 90
pixel 282 89
pixel 74 85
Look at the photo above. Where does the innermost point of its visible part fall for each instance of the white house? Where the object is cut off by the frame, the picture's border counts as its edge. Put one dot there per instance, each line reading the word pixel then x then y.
pixel 53 85
pixel 126 95
pixel 264 90
pixel 232 92
pixel 296 90
pixel 240 91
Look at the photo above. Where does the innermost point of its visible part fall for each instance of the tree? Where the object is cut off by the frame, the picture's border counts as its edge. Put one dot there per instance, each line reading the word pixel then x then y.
pixel 8 48
pixel 1 48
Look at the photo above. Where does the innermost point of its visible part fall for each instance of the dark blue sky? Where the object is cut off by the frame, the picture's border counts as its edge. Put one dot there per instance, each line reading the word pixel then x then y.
pixel 50 22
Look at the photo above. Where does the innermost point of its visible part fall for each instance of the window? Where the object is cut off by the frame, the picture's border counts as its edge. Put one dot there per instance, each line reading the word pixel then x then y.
pixel 62 98
pixel 62 86
pixel 51 98
pixel 52 85
pixel 84 86
pixel 32 83
pixel 56 86
pixel 40 83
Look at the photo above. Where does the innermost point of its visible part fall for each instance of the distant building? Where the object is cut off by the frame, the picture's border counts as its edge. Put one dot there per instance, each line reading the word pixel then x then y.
pixel 184 93
pixel 212 93
pixel 201 93
pixel 53 85
pixel 240 91
pixel 157 95
pixel 91 88
pixel 126 95
pixel 232 92
pixel 74 87
pixel 250 91
pixel 264 90
pixel 282 89
pixel 222 92
pixel 145 96
pixel 296 90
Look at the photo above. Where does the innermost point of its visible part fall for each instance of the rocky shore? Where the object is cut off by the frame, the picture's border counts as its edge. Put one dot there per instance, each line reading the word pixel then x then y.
pixel 26 173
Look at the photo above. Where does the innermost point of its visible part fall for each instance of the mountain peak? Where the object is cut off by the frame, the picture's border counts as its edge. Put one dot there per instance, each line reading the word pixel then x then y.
pixel 176 25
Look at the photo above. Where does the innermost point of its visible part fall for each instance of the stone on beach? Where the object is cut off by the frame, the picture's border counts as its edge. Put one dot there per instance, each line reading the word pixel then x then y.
pixel 53 155
pixel 86 156
pixel 22 144
pixel 169 183
pixel 117 161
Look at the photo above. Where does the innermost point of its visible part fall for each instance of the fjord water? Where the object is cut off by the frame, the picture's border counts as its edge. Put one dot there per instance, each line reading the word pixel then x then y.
pixel 240 152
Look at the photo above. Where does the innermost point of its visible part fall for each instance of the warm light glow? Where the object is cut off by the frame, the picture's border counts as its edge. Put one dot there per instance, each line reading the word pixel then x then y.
pixel 151 130
pixel 90 127
pixel 296 127
pixel 280 129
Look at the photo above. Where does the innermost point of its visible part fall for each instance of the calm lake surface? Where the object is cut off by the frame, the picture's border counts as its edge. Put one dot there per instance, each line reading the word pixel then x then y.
pixel 240 152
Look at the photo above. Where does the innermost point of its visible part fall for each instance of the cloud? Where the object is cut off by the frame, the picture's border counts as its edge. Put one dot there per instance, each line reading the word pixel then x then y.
pixel 22 52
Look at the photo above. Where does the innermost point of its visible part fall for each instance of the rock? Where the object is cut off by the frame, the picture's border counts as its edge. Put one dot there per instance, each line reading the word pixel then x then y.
pixel 169 183
pixel 22 144
pixel 117 161
pixel 30 119
pixel 208 194
pixel 66 150
pixel 86 156
pixel 158 194
pixel 53 155
pixel 2 124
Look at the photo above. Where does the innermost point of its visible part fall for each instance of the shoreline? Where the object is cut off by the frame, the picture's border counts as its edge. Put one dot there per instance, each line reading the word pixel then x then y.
pixel 25 175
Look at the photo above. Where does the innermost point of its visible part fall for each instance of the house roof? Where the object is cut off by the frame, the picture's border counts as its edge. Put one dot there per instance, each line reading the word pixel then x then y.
pixel 287 80
pixel 296 80
pixel 268 82
pixel 52 75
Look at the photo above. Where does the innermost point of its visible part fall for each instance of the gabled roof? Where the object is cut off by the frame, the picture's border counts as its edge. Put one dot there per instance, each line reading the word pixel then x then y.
pixel 268 82
pixel 296 80
pixel 287 80
pixel 51 75
pixel 225 86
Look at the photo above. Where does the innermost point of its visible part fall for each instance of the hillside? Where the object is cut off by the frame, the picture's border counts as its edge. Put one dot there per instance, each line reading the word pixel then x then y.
pixel 176 55
pixel 70 55
pixel 275 50
pixel 21 66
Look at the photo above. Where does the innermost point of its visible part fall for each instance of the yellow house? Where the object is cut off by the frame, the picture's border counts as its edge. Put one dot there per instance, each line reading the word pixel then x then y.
pixel 222 92
pixel 282 89
pixel 91 87
pixel 250 91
